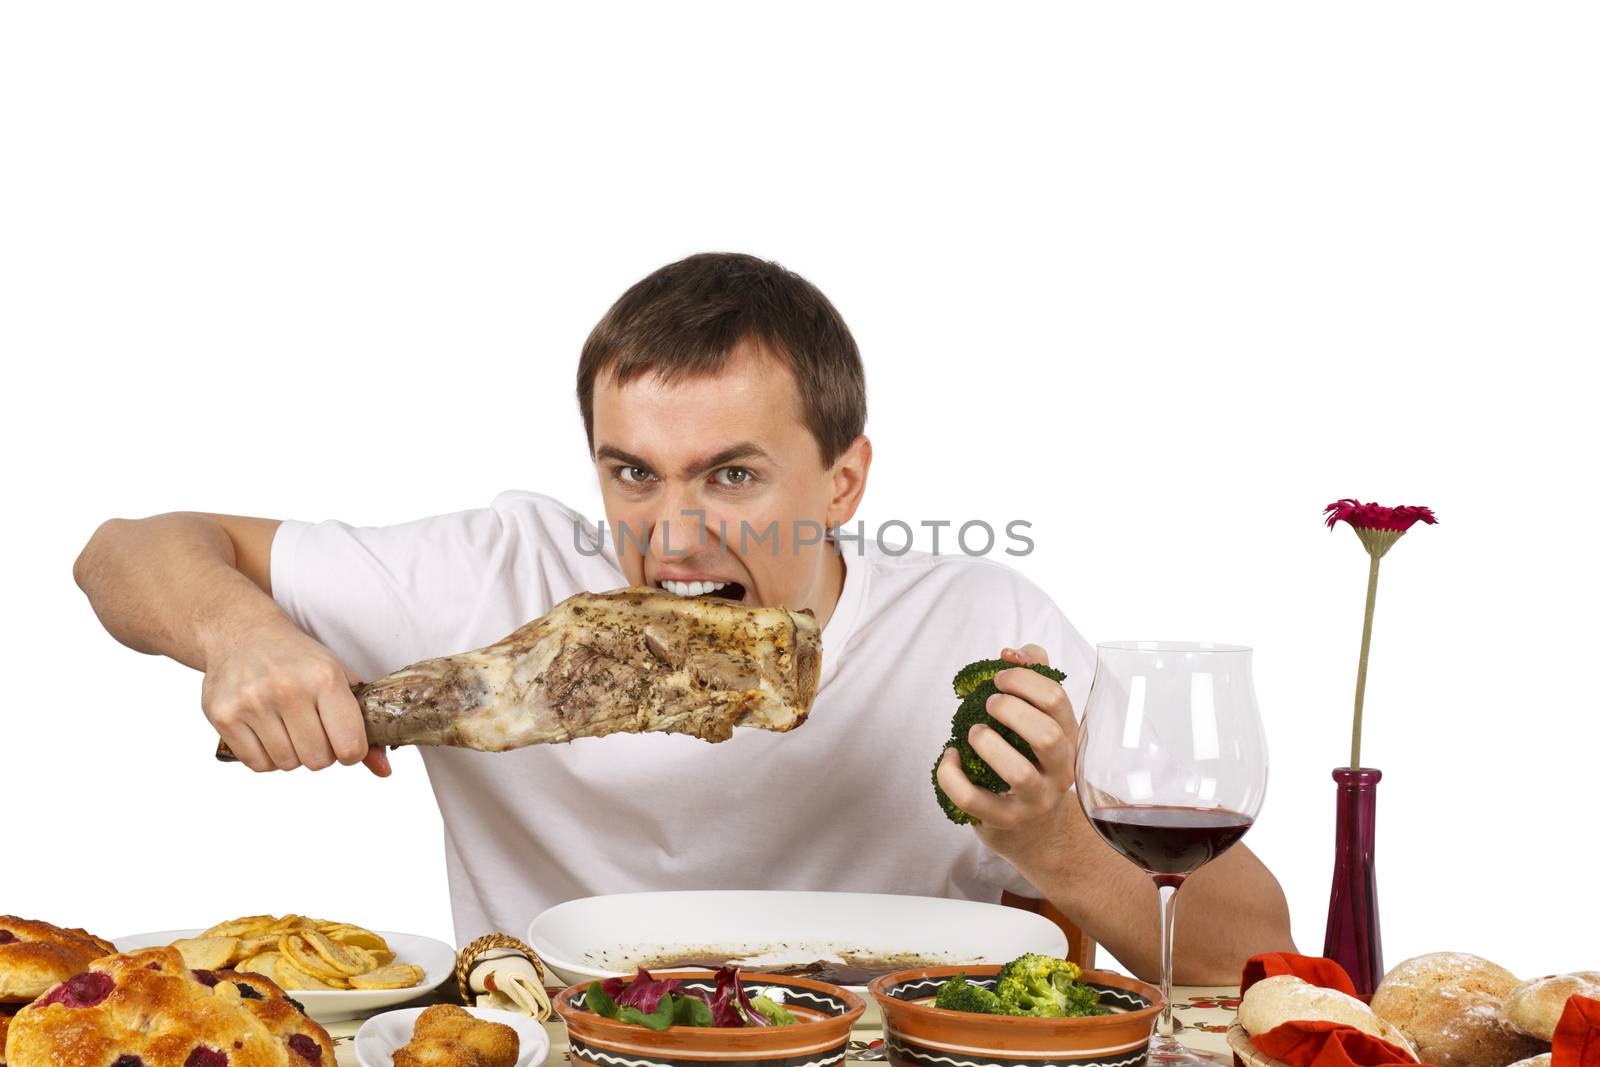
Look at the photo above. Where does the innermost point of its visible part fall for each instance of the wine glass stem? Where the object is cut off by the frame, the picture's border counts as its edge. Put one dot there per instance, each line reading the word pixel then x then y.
pixel 1169 894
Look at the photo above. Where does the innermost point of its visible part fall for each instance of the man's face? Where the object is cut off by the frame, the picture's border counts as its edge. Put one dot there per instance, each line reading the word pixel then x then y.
pixel 705 480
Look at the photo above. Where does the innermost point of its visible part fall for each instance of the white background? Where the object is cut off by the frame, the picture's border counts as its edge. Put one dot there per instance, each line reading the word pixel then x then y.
pixel 1163 279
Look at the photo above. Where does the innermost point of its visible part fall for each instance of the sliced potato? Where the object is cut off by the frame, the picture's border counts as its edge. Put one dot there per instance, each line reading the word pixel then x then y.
pixel 207 953
pixel 368 960
pixel 246 926
pixel 291 977
pixel 355 936
pixel 341 958
pixel 265 964
pixel 304 957
pixel 256 944
pixel 394 976
pixel 300 952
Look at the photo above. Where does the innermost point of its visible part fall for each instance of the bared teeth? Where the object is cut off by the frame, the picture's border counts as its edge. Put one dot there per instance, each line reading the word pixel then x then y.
pixel 692 588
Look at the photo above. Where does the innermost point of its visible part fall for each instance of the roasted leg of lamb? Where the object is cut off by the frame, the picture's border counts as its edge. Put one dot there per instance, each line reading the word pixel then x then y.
pixel 633 660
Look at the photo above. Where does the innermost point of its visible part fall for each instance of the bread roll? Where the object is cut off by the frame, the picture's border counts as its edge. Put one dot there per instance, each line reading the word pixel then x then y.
pixel 1535 1006
pixel 449 1036
pixel 1272 1002
pixel 1541 1060
pixel 1448 1004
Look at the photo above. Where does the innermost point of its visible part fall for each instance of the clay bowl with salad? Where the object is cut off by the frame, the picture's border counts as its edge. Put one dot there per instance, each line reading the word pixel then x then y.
pixel 694 1018
pixel 1031 1012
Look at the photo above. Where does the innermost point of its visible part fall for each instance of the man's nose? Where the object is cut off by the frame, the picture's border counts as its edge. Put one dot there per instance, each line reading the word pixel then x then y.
pixel 679 528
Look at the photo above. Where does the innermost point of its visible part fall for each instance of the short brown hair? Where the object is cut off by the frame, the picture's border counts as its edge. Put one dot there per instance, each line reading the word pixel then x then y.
pixel 684 320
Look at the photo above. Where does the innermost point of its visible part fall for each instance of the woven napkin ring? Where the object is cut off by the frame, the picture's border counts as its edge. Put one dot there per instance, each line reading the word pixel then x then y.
pixel 471 979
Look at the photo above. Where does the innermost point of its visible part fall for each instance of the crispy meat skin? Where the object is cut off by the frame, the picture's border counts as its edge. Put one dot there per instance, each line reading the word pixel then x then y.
pixel 633 660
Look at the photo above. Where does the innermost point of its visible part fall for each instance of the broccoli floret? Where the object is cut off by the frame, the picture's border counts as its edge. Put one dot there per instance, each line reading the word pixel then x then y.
pixel 1084 999
pixel 975 683
pixel 951 812
pixel 976 673
pixel 977 771
pixel 970 714
pixel 1045 987
pixel 973 710
pixel 958 994
pixel 1034 965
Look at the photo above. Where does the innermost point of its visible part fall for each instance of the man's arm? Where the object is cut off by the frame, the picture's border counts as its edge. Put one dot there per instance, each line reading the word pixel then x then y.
pixel 1229 910
pixel 197 588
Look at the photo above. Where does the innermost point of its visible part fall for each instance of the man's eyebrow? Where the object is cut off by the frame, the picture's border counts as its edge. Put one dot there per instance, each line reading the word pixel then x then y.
pixel 613 452
pixel 742 450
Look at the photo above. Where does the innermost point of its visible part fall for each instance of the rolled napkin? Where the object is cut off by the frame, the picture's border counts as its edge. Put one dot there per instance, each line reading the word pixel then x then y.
pixel 1293 1005
pixel 1314 969
pixel 1577 1039
pixel 1301 1010
pixel 498 971
pixel 1329 1044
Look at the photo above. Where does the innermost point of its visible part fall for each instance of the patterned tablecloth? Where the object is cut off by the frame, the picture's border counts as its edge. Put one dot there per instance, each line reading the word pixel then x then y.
pixel 1204 1014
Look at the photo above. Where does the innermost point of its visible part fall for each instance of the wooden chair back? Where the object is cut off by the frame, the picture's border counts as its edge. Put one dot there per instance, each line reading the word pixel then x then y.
pixel 1080 946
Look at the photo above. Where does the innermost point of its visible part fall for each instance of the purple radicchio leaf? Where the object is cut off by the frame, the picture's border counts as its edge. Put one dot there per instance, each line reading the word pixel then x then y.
pixel 724 1002
pixel 729 998
pixel 644 992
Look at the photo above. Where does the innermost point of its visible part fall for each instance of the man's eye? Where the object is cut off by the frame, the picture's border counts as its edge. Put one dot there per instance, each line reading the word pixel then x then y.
pixel 633 474
pixel 734 476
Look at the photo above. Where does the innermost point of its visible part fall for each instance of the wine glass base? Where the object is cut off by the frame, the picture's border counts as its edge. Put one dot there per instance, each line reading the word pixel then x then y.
pixel 1166 1052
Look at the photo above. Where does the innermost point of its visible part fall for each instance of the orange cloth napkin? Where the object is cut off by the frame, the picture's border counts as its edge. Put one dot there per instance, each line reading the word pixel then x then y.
pixel 1326 1044
pixel 1312 1043
pixel 1313 969
pixel 1577 1041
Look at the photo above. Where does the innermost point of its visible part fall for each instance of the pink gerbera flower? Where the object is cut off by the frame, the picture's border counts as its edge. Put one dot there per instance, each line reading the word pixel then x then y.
pixel 1378 528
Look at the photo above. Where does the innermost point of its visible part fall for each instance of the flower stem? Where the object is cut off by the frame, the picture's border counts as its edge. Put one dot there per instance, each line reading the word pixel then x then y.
pixel 1361 669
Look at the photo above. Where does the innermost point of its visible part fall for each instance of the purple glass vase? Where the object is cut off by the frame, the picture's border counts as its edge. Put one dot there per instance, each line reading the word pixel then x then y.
pixel 1353 940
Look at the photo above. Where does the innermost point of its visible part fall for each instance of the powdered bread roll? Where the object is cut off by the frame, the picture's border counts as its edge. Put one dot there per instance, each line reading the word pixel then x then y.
pixel 1272 1002
pixel 1541 1060
pixel 1448 1003
pixel 1535 1006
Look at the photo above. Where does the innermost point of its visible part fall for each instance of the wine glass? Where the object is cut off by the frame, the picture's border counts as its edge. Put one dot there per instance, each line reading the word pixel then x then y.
pixel 1172 767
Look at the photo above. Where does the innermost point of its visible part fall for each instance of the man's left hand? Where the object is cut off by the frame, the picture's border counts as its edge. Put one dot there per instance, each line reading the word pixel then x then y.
pixel 1039 711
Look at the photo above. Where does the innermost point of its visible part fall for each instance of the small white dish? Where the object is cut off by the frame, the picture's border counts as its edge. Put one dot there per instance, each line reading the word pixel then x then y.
pixel 437 960
pixel 381 1035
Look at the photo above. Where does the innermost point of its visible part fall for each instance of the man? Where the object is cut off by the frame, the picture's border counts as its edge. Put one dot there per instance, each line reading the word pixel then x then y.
pixel 724 401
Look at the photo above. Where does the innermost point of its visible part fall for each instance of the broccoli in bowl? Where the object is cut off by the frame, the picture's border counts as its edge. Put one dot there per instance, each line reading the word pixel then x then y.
pixel 1033 985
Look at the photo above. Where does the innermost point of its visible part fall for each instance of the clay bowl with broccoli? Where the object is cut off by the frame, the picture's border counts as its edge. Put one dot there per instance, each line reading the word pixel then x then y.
pixel 700 1018
pixel 1033 1011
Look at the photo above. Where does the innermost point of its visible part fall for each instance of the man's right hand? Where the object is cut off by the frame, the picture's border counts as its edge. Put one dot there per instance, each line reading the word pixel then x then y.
pixel 281 700
pixel 198 587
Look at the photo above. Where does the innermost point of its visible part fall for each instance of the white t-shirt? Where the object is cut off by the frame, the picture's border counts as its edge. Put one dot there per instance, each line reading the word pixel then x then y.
pixel 845 802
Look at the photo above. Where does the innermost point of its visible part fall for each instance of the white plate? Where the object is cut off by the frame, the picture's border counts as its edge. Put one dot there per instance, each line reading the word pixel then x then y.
pixel 437 960
pixel 601 937
pixel 380 1035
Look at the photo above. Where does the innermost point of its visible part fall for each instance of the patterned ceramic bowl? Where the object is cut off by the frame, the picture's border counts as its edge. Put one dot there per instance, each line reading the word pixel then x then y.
pixel 825 1013
pixel 919 1035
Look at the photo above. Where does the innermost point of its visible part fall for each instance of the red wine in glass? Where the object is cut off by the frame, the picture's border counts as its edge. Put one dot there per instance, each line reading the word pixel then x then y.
pixel 1172 766
pixel 1168 841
